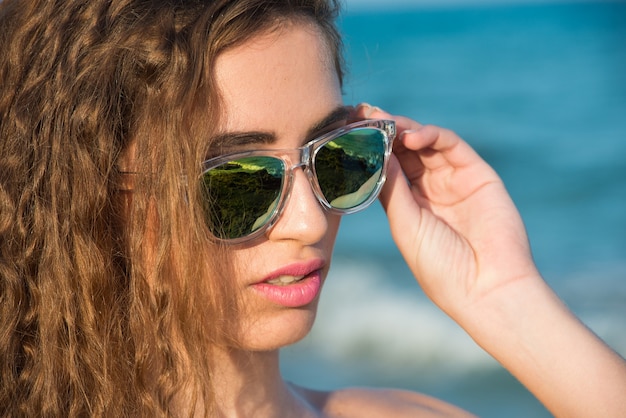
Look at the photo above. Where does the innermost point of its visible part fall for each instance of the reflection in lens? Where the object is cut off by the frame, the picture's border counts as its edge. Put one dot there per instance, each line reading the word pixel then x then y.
pixel 242 194
pixel 353 199
pixel 349 167
pixel 264 218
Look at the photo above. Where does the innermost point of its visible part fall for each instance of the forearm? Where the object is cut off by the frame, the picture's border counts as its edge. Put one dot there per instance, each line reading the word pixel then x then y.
pixel 533 334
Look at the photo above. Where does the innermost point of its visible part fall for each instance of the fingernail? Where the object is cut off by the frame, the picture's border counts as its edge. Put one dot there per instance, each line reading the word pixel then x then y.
pixel 366 108
pixel 373 109
pixel 403 134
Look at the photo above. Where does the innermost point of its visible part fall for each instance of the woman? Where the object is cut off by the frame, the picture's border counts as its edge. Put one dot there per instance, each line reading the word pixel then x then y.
pixel 171 183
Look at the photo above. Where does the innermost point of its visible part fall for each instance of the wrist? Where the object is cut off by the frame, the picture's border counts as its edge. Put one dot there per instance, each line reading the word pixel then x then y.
pixel 531 332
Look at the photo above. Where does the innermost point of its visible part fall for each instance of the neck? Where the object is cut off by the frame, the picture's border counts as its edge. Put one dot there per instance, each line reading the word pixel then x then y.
pixel 249 384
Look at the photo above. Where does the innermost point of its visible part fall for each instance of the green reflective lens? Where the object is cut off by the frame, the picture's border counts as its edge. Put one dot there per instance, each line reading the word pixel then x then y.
pixel 349 167
pixel 242 194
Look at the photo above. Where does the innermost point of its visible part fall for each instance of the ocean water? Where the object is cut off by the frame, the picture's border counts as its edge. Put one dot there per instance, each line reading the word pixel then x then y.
pixel 540 91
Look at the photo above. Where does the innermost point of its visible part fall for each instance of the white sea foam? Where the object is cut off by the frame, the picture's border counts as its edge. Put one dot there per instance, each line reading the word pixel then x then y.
pixel 597 294
pixel 365 320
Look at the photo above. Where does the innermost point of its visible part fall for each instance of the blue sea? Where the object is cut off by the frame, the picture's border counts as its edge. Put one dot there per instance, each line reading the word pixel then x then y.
pixel 539 89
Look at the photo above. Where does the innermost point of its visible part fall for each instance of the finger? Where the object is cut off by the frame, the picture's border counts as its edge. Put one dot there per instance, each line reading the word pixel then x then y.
pixel 410 161
pixel 439 147
pixel 440 167
pixel 366 111
pixel 400 202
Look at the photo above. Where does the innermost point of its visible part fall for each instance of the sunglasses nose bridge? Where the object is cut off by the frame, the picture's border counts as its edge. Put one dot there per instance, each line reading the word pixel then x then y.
pixel 300 157
pixel 303 157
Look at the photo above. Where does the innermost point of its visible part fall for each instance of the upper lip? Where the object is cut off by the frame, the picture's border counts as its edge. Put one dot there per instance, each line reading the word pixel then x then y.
pixel 300 268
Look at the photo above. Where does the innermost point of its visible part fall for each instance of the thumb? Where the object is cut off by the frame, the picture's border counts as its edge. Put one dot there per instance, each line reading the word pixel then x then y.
pixel 399 202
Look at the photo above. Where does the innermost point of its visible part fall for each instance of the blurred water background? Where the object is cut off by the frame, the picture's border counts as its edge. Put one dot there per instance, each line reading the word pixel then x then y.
pixel 539 89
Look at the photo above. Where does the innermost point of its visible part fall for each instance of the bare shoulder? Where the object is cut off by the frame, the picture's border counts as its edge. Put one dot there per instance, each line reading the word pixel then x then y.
pixel 373 403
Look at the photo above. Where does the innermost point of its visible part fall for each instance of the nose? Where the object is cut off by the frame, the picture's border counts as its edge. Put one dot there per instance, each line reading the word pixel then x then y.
pixel 303 218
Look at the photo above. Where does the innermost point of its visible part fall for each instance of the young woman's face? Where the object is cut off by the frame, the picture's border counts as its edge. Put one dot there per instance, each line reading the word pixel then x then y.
pixel 284 85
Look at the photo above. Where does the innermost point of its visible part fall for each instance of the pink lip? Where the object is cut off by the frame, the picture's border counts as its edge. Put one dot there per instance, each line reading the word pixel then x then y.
pixel 297 294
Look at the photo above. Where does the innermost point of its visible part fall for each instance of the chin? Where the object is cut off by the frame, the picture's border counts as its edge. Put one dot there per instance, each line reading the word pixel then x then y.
pixel 277 329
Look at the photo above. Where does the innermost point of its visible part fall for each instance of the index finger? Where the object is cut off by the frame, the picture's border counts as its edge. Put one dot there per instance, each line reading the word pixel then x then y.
pixel 438 148
pixel 366 111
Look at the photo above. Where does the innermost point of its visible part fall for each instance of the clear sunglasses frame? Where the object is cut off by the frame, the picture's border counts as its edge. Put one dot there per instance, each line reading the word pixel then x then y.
pixel 304 157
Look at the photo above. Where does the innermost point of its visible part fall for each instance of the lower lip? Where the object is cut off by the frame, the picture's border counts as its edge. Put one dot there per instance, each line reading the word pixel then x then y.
pixel 293 295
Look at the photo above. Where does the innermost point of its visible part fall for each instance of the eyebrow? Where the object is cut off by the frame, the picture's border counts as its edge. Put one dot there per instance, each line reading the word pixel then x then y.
pixel 229 140
pixel 337 115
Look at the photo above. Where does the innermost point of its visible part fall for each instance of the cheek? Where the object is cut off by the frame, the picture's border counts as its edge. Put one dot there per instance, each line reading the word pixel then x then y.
pixel 250 264
pixel 333 227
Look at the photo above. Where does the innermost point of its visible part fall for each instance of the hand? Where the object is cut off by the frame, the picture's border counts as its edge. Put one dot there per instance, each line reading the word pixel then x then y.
pixel 463 239
pixel 451 216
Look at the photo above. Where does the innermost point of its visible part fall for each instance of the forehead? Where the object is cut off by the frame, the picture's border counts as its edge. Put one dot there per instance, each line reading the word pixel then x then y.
pixel 276 77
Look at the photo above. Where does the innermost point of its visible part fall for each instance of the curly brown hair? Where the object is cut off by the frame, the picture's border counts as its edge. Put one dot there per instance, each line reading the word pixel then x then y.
pixel 101 313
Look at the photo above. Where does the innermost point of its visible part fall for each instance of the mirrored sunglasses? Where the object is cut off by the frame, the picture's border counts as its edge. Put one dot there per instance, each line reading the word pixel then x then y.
pixel 245 192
